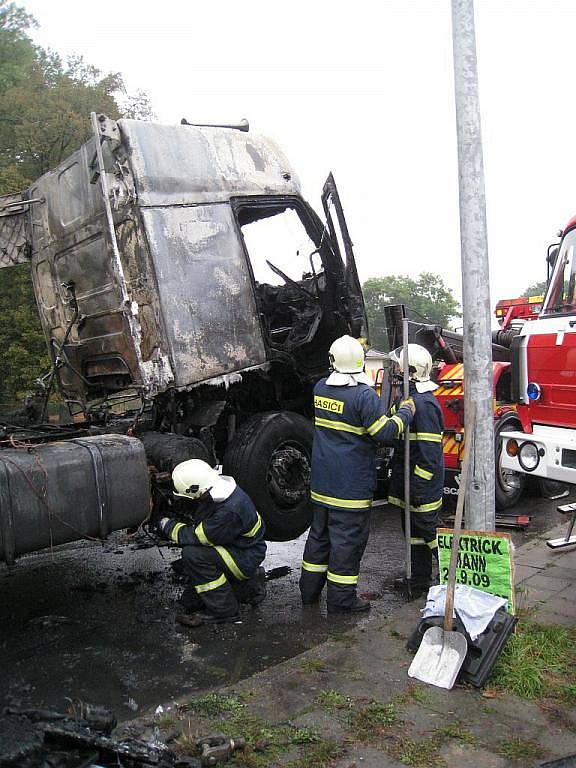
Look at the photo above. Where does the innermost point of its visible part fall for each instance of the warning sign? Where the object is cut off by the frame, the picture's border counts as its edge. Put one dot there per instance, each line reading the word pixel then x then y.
pixel 485 561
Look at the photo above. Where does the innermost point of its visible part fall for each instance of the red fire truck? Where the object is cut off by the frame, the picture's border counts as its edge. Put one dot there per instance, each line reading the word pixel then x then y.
pixel 446 348
pixel 543 380
pixel 512 314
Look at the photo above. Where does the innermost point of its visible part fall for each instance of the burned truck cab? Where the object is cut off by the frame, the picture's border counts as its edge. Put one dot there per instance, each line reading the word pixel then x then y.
pixel 181 262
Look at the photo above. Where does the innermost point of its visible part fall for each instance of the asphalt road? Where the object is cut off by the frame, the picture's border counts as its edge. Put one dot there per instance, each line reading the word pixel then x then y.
pixel 96 623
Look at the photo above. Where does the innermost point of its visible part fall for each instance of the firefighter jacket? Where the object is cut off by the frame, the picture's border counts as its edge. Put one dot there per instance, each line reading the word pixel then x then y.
pixel 426 457
pixel 233 527
pixel 349 423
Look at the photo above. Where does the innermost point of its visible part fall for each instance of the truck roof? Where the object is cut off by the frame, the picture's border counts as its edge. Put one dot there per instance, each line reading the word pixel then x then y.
pixel 184 164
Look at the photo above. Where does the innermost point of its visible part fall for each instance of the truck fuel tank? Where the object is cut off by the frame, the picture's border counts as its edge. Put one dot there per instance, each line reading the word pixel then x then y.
pixel 58 492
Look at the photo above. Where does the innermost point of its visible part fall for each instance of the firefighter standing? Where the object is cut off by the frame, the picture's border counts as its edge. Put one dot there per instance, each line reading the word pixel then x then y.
pixel 426 467
pixel 349 424
pixel 223 549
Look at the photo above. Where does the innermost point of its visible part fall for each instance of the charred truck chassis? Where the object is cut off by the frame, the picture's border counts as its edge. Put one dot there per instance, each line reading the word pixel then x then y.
pixel 180 265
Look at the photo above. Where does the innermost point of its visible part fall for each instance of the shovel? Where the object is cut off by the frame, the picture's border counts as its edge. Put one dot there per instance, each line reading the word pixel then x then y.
pixel 442 651
pixel 407 521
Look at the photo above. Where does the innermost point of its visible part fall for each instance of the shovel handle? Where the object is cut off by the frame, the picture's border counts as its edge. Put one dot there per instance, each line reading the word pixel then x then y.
pixel 406 393
pixel 451 586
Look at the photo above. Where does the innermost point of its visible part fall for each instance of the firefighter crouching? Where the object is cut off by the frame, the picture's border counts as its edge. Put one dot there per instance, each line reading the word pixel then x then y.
pixel 426 467
pixel 223 549
pixel 349 424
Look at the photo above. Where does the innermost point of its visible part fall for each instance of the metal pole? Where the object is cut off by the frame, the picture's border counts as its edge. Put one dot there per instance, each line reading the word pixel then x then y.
pixel 480 509
pixel 407 525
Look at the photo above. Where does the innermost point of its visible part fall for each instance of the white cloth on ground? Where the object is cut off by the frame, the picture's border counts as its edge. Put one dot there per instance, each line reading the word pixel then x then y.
pixel 475 608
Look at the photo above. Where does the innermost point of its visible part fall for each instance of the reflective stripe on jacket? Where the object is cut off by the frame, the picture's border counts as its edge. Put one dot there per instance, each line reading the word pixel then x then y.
pixel 349 423
pixel 233 527
pixel 426 457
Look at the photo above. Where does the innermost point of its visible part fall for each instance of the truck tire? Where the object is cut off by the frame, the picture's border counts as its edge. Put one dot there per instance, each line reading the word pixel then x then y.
pixel 165 450
pixel 269 458
pixel 548 489
pixel 552 489
pixel 509 486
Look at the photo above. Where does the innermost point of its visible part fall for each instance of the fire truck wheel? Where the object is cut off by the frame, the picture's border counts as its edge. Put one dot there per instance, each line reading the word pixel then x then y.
pixel 509 485
pixel 549 489
pixel 269 457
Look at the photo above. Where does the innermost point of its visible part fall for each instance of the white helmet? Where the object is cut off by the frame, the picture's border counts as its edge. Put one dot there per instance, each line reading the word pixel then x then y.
pixel 419 362
pixel 347 355
pixel 193 478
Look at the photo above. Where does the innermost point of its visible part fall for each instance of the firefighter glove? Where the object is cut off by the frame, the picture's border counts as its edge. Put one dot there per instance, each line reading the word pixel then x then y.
pixel 162 525
pixel 408 403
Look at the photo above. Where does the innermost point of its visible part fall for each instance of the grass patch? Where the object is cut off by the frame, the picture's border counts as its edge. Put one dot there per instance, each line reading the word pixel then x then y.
pixel 519 749
pixel 369 722
pixel 212 704
pixel 355 675
pixel 304 735
pixel 166 721
pixel 413 693
pixel 454 730
pixel 265 743
pixel 313 665
pixel 419 754
pixel 538 661
pixel 322 756
pixel 344 639
pixel 332 700
pixel 186 743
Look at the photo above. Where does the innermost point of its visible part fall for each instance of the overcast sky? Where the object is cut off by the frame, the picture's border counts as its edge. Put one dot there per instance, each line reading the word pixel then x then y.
pixel 365 89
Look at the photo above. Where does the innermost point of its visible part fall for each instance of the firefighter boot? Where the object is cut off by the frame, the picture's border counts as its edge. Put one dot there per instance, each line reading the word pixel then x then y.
pixel 357 606
pixel 421 581
pixel 253 590
pixel 190 600
pixel 197 619
pixel 257 584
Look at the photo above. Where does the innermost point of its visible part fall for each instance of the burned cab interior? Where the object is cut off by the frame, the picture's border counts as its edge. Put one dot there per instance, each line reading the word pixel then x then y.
pixel 283 249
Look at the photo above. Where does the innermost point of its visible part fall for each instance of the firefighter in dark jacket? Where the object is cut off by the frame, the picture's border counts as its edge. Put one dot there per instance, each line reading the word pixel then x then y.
pixel 223 548
pixel 349 424
pixel 426 467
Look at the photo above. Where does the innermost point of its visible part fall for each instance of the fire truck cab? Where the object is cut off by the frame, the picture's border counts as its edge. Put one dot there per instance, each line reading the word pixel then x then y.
pixel 544 377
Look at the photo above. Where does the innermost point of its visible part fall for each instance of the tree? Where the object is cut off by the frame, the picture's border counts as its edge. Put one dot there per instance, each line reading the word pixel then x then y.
pixel 16 49
pixel 45 106
pixel 535 289
pixel 427 298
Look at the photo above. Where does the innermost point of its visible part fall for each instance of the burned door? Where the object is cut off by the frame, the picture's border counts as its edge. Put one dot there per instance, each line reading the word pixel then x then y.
pixel 342 244
pixel 14 241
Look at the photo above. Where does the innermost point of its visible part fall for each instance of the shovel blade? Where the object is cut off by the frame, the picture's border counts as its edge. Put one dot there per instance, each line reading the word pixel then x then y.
pixel 439 658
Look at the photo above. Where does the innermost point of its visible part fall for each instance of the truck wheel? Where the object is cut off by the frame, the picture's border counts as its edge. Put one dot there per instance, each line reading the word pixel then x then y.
pixel 269 458
pixel 165 450
pixel 552 489
pixel 509 485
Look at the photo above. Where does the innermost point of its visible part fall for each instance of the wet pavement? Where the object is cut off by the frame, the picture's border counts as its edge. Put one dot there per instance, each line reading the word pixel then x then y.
pixel 96 623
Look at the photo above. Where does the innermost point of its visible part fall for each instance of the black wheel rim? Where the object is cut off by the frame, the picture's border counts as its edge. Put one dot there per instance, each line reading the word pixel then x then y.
pixel 288 474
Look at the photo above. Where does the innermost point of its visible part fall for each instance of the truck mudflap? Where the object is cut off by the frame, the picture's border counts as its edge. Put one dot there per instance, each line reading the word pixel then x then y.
pixel 59 492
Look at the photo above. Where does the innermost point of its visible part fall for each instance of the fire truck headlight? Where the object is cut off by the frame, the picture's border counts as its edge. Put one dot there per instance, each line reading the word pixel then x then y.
pixel 512 448
pixel 529 457
pixel 533 391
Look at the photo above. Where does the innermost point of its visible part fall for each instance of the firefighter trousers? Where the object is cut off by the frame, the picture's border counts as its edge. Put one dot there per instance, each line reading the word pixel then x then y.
pixel 334 548
pixel 423 542
pixel 211 580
